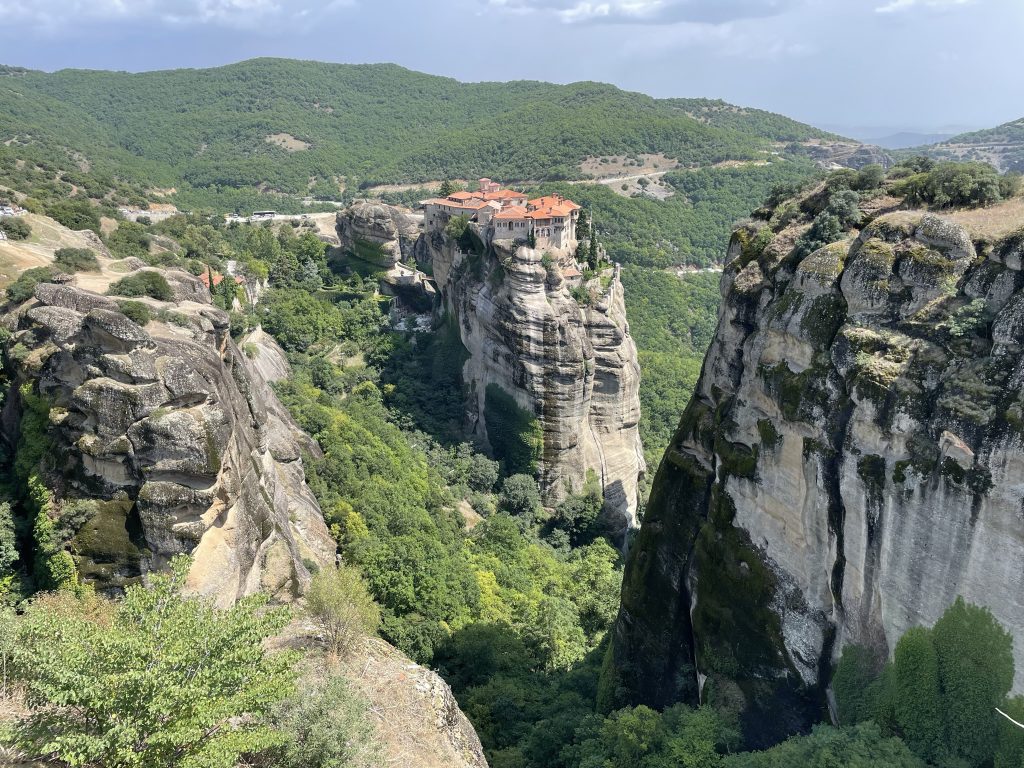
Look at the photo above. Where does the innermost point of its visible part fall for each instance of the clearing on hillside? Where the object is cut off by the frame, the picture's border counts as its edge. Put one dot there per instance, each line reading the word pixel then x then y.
pixel 287 141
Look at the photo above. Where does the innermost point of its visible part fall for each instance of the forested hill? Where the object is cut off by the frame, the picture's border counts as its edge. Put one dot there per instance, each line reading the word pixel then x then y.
pixel 1002 146
pixel 297 126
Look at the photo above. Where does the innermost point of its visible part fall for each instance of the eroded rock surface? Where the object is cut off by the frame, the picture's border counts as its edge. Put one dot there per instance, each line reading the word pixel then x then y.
pixel 574 367
pixel 851 461
pixel 378 233
pixel 168 440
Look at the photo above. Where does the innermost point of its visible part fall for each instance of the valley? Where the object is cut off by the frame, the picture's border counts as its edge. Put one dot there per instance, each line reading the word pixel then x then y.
pixel 720 470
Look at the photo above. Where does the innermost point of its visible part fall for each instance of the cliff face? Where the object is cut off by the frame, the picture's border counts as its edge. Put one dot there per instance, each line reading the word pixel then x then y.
pixel 168 440
pixel 851 461
pixel 574 367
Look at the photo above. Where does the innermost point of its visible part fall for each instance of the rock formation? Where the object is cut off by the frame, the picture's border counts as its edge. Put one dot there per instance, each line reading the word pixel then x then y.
pixel 851 461
pixel 378 233
pixel 167 440
pixel 573 367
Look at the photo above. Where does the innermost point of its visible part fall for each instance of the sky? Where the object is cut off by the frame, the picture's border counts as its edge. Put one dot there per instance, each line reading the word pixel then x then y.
pixel 867 67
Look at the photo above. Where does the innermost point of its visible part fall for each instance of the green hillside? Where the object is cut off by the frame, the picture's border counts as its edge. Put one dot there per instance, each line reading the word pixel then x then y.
pixel 205 132
pixel 1002 146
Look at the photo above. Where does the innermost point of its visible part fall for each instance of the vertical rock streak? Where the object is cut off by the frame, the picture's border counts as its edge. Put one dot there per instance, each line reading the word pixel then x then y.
pixel 851 461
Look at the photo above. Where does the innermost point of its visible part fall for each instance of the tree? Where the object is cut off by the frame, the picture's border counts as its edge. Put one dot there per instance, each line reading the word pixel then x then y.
pixel 447 188
pixel 8 549
pixel 578 514
pixel 1011 737
pixel 592 256
pixel 583 225
pixel 975 661
pixel 339 604
pixel 917 698
pixel 157 679
pixel 520 496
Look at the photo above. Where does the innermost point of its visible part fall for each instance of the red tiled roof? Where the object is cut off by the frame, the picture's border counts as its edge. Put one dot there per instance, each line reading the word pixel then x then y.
pixel 552 201
pixel 504 194
pixel 571 272
pixel 462 195
pixel 512 213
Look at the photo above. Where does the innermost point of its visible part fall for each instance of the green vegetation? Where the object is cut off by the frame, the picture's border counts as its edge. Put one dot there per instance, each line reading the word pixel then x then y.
pixel 691 227
pixel 341 607
pixel 673 320
pixel 940 691
pixel 24 287
pixel 76 260
pixel 205 132
pixel 325 725
pixel 172 673
pixel 135 311
pixel 947 185
pixel 514 434
pixel 144 283
pixel 15 228
pixel 77 214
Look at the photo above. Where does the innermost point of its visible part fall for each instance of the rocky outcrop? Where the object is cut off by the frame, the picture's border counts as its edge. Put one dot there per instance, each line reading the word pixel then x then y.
pixel 852 460
pixel 378 233
pixel 424 726
pixel 165 439
pixel 846 154
pixel 572 367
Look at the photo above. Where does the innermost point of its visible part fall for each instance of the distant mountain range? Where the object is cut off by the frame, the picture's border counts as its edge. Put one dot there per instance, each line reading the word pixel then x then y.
pixel 907 139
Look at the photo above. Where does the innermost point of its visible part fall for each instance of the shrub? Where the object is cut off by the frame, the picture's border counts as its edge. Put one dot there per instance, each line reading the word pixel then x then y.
pixel 340 605
pixel 950 185
pixel 144 283
pixel 135 311
pixel 326 726
pixel 75 214
pixel 175 674
pixel 23 288
pixel 129 239
pixel 76 260
pixel 16 228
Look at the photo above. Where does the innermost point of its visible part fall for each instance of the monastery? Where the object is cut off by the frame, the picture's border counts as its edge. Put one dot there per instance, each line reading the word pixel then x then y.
pixel 508 215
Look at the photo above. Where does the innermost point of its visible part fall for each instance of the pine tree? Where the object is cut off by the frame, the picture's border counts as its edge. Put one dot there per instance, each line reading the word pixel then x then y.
pixel 447 187
pixel 582 225
pixel 592 258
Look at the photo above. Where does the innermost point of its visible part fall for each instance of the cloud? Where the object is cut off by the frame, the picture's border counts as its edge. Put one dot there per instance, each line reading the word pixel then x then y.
pixel 56 15
pixel 647 11
pixel 896 6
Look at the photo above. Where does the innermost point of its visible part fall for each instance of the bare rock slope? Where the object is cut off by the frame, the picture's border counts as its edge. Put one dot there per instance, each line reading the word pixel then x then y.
pixel 852 460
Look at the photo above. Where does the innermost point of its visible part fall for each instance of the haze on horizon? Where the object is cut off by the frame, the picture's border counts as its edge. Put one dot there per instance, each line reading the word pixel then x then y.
pixel 863 67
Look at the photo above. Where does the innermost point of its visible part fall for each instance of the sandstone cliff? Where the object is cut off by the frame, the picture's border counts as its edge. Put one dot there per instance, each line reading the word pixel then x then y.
pixel 851 461
pixel 574 367
pixel 165 439
pixel 378 233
